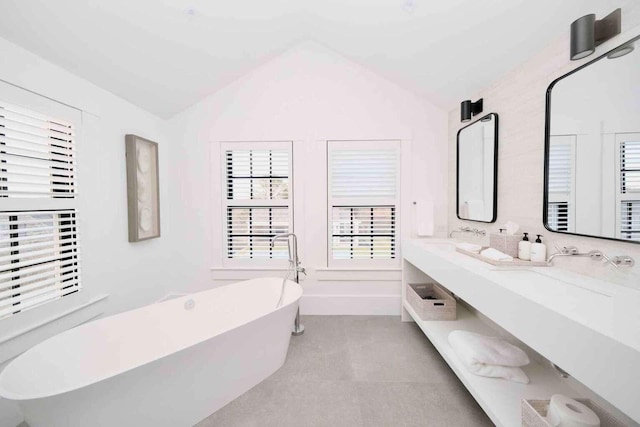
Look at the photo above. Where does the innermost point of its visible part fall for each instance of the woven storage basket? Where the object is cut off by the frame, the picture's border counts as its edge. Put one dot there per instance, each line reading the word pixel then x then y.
pixel 441 306
pixel 535 411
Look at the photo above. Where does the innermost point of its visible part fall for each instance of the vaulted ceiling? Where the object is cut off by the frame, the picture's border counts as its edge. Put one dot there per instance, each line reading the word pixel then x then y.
pixel 165 55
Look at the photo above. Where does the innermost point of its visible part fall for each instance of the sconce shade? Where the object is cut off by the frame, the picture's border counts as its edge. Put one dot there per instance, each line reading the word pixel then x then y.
pixel 621 51
pixel 583 40
pixel 468 109
pixel 587 33
pixel 465 111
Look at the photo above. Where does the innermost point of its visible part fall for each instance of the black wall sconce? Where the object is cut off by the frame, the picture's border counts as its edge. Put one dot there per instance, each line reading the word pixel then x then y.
pixel 468 109
pixel 587 33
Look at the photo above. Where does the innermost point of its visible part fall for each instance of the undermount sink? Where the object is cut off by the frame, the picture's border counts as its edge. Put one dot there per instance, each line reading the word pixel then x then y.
pixel 551 281
pixel 579 280
pixel 445 245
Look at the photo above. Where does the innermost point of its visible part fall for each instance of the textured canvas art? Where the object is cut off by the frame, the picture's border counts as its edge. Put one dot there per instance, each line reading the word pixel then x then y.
pixel 142 188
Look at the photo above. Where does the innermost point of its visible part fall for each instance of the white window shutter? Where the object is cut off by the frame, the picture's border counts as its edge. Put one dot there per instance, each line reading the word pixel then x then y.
pixel 630 167
pixel 364 200
pixel 257 201
pixel 259 174
pixel 37 155
pixel 630 219
pixel 629 180
pixel 250 230
pixel 38 258
pixel 558 216
pixel 371 173
pixel 39 244
pixel 561 177
pixel 560 168
pixel 363 232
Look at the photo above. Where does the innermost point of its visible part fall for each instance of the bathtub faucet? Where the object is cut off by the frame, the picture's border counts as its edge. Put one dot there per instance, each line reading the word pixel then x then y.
pixel 295 268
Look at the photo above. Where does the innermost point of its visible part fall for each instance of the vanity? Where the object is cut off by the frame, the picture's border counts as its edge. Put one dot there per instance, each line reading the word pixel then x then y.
pixel 587 327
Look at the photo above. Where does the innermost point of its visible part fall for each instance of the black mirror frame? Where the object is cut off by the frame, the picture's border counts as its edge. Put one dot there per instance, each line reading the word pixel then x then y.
pixel 547 136
pixel 495 171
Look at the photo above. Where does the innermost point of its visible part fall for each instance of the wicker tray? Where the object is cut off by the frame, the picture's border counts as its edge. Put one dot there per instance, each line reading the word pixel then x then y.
pixel 516 262
pixel 440 306
pixel 535 411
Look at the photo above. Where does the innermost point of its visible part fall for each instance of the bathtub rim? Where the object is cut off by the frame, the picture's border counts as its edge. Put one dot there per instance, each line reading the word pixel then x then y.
pixel 17 397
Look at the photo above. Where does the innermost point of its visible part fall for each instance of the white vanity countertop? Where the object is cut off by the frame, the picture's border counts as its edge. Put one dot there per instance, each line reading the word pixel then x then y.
pixel 609 309
pixel 589 327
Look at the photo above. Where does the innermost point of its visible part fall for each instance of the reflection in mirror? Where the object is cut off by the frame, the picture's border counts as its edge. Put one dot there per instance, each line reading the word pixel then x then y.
pixel 592 157
pixel 477 165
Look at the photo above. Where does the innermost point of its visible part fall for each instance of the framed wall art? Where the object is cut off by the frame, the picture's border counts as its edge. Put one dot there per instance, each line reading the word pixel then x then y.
pixel 143 193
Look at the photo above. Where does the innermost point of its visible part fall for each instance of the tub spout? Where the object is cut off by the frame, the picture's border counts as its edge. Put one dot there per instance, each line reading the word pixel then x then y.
pixel 294 268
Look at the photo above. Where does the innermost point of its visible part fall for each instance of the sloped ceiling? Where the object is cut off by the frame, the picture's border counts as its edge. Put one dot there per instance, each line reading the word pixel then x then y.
pixel 165 55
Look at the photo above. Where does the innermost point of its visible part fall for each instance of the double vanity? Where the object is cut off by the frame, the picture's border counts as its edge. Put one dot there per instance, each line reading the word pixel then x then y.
pixel 587 327
pixel 584 333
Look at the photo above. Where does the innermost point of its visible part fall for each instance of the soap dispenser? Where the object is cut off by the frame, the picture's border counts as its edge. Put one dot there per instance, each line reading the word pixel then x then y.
pixel 538 250
pixel 524 248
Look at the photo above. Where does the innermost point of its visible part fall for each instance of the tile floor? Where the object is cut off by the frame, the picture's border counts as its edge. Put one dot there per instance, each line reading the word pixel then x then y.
pixel 356 371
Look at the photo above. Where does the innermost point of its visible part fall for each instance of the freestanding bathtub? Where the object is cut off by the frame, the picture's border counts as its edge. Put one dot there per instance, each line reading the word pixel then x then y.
pixel 166 364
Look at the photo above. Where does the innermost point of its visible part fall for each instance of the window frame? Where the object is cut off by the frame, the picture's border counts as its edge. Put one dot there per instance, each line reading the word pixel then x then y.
pixel 253 263
pixel 46 109
pixel 559 198
pixel 629 196
pixel 396 202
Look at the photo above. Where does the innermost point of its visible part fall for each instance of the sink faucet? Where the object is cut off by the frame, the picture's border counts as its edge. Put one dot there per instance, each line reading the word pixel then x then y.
pixel 617 261
pixel 475 231
pixel 296 269
pixel 565 251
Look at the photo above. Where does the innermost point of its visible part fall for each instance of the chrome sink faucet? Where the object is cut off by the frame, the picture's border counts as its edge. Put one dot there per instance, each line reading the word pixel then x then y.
pixel 617 261
pixel 475 231
pixel 296 269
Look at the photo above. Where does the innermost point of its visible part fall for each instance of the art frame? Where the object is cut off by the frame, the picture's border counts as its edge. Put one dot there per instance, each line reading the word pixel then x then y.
pixel 143 188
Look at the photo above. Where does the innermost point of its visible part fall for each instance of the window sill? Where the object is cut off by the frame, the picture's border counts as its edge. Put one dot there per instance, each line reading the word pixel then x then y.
pixel 17 342
pixel 359 274
pixel 320 274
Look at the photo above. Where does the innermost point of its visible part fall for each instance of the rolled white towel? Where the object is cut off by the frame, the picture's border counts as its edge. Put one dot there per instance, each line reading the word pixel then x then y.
pixel 496 371
pixel 477 348
pixel 496 255
pixel 469 247
pixel 489 356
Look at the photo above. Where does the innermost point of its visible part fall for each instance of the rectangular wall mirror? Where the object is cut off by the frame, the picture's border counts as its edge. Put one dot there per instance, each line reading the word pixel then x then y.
pixel 592 150
pixel 477 170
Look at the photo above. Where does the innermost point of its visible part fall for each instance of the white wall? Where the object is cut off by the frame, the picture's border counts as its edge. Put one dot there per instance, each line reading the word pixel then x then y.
pixel 519 100
pixel 308 95
pixel 131 274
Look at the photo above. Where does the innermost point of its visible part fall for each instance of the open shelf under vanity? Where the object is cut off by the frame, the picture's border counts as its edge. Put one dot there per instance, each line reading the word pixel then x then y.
pixel 499 398
pixel 553 320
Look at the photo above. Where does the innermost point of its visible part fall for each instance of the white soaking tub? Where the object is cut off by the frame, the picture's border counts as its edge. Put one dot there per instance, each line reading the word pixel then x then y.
pixel 166 364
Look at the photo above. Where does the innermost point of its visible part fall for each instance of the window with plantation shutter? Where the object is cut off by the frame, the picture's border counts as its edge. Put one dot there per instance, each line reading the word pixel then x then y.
pixel 39 250
pixel 37 155
pixel 258 203
pixel 629 187
pixel 558 216
pixel 561 183
pixel 364 200
pixel 630 219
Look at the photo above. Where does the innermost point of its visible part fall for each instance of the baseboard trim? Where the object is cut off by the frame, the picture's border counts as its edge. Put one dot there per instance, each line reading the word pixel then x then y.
pixel 378 305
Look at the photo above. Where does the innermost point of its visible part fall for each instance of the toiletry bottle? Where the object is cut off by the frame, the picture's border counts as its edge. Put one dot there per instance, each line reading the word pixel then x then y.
pixel 524 248
pixel 538 250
